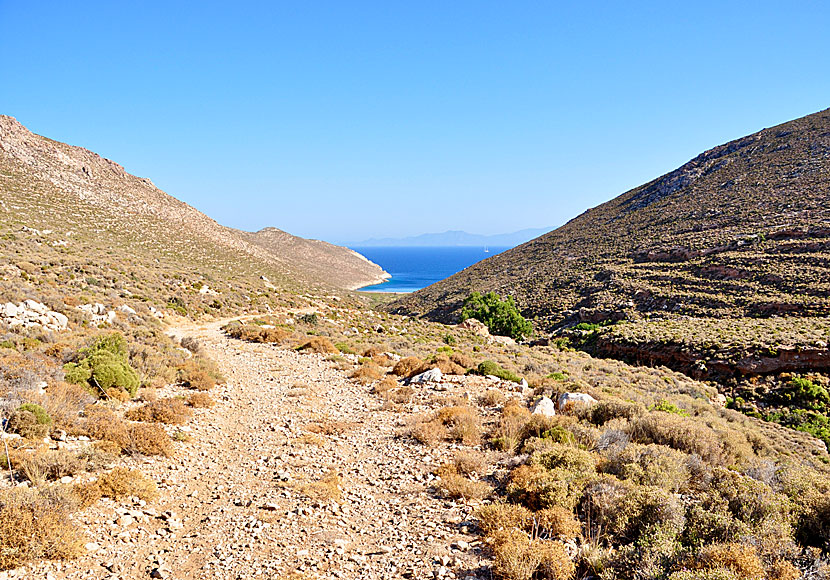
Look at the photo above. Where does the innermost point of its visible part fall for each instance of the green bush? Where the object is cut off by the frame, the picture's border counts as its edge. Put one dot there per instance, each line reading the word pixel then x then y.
pixel 501 316
pixel 667 407
pixel 104 365
pixel 488 367
pixel 39 412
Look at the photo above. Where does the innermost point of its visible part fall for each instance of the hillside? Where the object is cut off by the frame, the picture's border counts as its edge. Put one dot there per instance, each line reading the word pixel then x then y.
pixel 741 230
pixel 74 211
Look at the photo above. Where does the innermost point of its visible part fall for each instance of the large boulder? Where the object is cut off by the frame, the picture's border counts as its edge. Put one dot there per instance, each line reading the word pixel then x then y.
pixel 543 406
pixel 36 306
pixel 475 326
pixel 430 376
pixel 575 398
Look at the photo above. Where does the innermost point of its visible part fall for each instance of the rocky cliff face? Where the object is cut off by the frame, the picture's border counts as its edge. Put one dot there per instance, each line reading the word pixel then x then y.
pixel 46 183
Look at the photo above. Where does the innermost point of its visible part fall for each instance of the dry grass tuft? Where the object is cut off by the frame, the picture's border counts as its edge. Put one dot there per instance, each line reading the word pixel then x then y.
pixel 200 401
pixel 456 486
pixel 366 373
pixel 35 525
pixel 325 489
pixel 169 411
pixel 409 367
pixel 318 344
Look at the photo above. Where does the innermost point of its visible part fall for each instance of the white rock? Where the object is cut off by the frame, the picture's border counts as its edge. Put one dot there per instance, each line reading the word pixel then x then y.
pixel 36 306
pixel 60 319
pixel 126 309
pixel 582 398
pixel 543 406
pixel 475 326
pixel 432 375
pixel 11 310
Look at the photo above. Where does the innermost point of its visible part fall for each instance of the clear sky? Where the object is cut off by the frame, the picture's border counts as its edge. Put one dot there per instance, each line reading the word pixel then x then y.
pixel 348 120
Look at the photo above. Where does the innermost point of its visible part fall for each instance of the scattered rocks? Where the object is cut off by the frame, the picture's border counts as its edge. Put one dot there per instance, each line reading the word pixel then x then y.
pixel 575 398
pixel 30 313
pixel 543 406
pixel 430 376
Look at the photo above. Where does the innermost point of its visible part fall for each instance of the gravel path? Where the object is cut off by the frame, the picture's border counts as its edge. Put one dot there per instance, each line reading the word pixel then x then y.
pixel 244 498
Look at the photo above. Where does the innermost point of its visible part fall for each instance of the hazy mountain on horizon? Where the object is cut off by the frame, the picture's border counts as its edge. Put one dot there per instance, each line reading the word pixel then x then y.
pixel 459 238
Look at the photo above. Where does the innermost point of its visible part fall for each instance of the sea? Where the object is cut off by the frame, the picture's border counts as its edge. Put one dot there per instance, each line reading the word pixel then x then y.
pixel 413 268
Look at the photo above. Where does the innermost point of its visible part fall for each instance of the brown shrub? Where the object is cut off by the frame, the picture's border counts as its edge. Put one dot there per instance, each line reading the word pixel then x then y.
pixel 121 483
pixel 555 564
pixel 509 431
pixel 119 395
pixel 168 411
pixel 384 386
pixel 463 423
pixel 409 367
pixel 35 525
pixel 318 344
pixel 428 432
pixel 492 398
pixel 783 570
pixel 503 516
pixel 682 433
pixel 50 464
pixel 193 376
pixel 378 356
pixel 469 462
pixel 25 423
pixel 148 439
pixel 447 366
pixel 462 360
pixel 64 403
pixel 557 521
pixel 366 373
pixel 254 333
pixel 514 556
pixel 457 486
pixel 102 423
pixel 200 401
pixel 742 559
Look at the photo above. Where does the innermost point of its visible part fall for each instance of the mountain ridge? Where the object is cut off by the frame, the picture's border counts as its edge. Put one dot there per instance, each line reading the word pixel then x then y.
pixel 40 173
pixel 457 238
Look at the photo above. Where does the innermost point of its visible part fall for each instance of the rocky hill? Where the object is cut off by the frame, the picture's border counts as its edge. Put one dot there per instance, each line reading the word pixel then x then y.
pixel 59 201
pixel 742 230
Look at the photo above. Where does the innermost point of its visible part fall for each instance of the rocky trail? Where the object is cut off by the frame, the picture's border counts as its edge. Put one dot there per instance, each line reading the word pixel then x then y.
pixel 295 473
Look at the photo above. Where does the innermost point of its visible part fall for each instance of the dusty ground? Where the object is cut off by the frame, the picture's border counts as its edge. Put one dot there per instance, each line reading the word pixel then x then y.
pixel 233 502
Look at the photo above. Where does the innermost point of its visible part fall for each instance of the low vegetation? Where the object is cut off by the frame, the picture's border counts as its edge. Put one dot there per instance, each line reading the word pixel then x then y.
pixel 501 316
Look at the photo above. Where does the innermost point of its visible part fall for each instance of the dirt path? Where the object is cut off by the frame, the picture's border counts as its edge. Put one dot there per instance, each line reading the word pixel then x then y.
pixel 254 493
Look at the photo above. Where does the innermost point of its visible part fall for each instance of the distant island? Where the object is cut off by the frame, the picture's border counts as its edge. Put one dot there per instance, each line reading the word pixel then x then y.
pixel 458 238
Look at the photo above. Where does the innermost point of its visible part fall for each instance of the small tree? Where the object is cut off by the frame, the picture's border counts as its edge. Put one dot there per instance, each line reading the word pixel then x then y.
pixel 501 316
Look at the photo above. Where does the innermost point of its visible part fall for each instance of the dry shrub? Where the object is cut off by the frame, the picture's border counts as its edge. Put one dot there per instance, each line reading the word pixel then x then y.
pixel 720 574
pixel 742 559
pixel 254 333
pixel 384 386
pixel 118 484
pixel 311 439
pixel 35 525
pixel 429 432
pixel 319 345
pixel 50 464
pixel 447 366
pixel 409 367
pixel 64 402
pixel 193 376
pixel 469 463
pixel 456 486
pixel 783 570
pixel 148 439
pixel 26 424
pixel 378 356
pixel 517 557
pixel 492 398
pixel 103 424
pixel 503 516
pixel 650 465
pixel 168 411
pixel 557 521
pixel 366 373
pixel 462 360
pixel 604 411
pixel 537 487
pixel 682 433
pixel 463 423
pixel 200 401
pixel 508 432
pixel 119 395
pixel 191 344
pixel 325 489
pixel 148 394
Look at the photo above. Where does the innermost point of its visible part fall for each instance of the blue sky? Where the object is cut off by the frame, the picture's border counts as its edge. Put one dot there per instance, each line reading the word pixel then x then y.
pixel 350 120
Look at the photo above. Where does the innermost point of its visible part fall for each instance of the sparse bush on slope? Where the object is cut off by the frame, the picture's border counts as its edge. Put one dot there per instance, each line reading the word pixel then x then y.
pixel 501 316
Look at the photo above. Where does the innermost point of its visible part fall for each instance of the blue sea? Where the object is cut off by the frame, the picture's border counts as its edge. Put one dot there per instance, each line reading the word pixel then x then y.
pixel 413 268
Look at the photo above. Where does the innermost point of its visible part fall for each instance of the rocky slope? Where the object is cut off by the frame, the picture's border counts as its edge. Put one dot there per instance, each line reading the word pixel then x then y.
pixel 741 230
pixel 48 185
